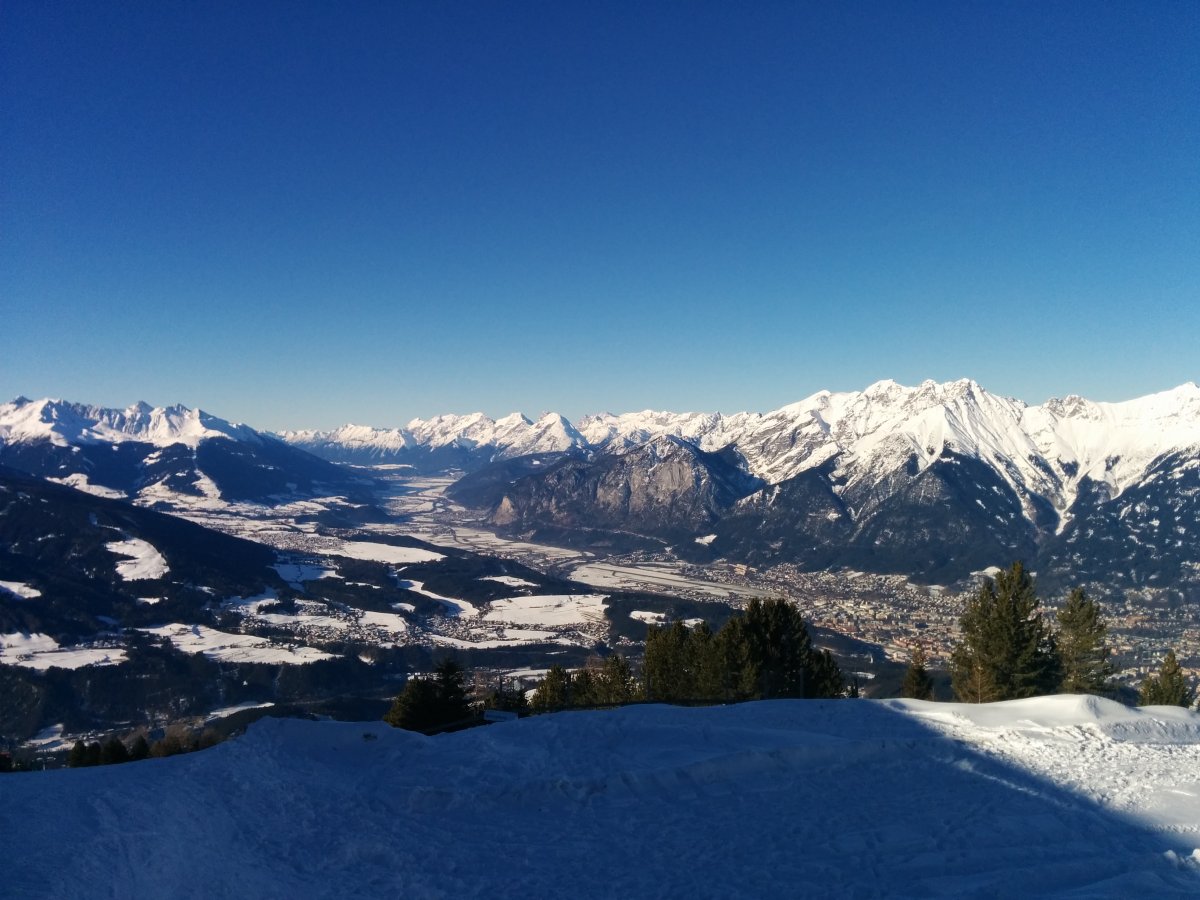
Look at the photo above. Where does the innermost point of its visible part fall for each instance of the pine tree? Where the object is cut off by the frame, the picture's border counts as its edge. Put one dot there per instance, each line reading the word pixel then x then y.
pixel 140 749
pixel 1081 645
pixel 450 679
pixel 509 699
pixel 615 684
pixel 113 752
pixel 669 664
pixel 1169 687
pixel 415 708
pixel 432 704
pixel 779 649
pixel 1006 650
pixel 583 691
pixel 918 685
pixel 78 756
pixel 823 677
pixel 554 692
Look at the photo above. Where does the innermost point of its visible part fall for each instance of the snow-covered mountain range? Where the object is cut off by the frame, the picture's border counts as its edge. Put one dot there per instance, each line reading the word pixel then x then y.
pixel 930 480
pixel 444 441
pixel 65 424
pixel 155 453
pixel 935 480
pixel 1047 450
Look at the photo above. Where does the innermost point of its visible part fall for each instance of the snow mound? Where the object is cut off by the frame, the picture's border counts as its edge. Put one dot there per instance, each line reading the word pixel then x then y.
pixel 786 798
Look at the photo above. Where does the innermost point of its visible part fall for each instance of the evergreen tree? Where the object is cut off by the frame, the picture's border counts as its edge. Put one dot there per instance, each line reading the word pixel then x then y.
pixel 1169 687
pixel 554 692
pixel 78 756
pixel 139 749
pixel 1081 645
pixel 615 684
pixel 668 664
pixel 113 752
pixel 1006 650
pixel 583 691
pixel 823 677
pixel 779 648
pixel 917 683
pixel 454 706
pixel 432 704
pixel 508 699
pixel 415 708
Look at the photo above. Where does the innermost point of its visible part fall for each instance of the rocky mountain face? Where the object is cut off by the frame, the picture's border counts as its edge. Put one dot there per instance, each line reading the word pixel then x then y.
pixel 933 481
pixel 666 487
pixel 156 454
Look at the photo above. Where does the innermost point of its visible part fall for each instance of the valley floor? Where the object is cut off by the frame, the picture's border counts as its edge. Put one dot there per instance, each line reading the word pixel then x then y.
pixel 1059 796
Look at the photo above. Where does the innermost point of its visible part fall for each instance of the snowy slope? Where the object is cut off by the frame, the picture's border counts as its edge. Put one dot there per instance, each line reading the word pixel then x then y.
pixel 1057 797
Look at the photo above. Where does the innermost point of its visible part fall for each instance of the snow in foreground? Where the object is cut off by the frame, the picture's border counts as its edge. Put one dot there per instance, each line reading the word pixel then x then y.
pixel 1059 796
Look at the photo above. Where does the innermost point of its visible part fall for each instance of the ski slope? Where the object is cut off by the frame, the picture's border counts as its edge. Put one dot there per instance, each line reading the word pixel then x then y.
pixel 1059 796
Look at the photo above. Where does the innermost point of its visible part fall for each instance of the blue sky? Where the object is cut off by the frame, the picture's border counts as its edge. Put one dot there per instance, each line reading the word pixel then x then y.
pixel 301 214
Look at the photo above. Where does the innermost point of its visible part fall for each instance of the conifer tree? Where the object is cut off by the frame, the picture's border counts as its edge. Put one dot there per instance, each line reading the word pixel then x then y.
pixel 1006 650
pixel 1081 645
pixel 615 683
pixel 509 699
pixel 554 692
pixel 78 756
pixel 779 649
pixel 453 704
pixel 113 752
pixel 1169 687
pixel 433 704
pixel 583 689
pixel 823 677
pixel 669 664
pixel 139 749
pixel 918 685
pixel 416 707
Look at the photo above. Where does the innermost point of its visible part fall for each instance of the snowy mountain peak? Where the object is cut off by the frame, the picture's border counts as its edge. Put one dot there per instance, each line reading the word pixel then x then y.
pixel 66 424
pixel 1042 451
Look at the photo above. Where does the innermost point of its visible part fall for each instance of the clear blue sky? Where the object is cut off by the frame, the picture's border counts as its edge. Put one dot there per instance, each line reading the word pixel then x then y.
pixel 300 214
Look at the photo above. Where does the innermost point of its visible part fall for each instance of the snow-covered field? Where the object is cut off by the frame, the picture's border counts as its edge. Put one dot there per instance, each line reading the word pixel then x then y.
pixel 20 590
pixel 143 562
pixel 234 648
pixel 40 651
pixel 1060 796
pixel 549 609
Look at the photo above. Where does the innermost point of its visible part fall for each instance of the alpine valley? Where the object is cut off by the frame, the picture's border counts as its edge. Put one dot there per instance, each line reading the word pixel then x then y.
pixel 166 564
pixel 931 482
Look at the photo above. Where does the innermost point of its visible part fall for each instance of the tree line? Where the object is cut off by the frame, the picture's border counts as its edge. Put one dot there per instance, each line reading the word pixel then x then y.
pixel 763 652
pixel 1008 650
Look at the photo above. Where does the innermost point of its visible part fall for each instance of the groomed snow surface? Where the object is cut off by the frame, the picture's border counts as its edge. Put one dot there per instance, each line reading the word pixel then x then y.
pixel 1060 796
